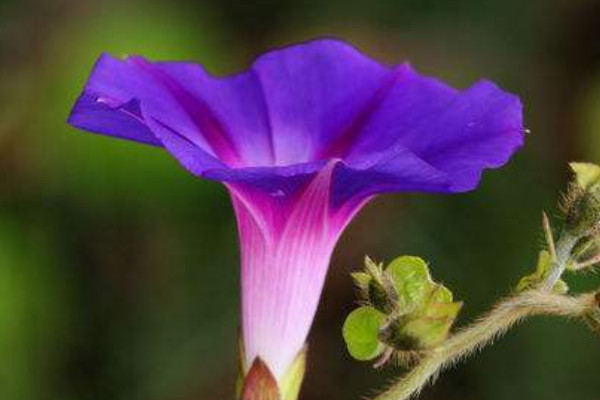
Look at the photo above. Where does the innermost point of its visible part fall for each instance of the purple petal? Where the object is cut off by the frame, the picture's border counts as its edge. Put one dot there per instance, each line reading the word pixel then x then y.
pixel 284 110
pixel 312 91
pixel 161 100
pixel 299 107
pixel 92 114
pixel 398 170
pixel 456 133
pixel 184 112
pixel 236 104
pixel 192 157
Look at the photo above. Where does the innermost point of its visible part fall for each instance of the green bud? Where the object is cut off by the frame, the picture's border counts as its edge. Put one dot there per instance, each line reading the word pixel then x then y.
pixel 376 287
pixel 381 297
pixel 406 310
pixel 583 212
pixel 582 207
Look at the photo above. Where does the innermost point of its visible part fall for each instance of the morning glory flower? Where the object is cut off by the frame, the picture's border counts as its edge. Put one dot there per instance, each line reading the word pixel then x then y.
pixel 302 140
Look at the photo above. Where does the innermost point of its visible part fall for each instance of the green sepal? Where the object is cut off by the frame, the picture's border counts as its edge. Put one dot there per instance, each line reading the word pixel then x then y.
pixel 291 382
pixel 361 333
pixel 259 383
pixel 537 278
pixel 288 387
pixel 361 280
pixel 379 292
pixel 373 269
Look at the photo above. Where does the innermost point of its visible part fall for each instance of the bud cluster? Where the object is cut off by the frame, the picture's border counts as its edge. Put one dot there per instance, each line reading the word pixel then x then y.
pixel 405 316
pixel 403 311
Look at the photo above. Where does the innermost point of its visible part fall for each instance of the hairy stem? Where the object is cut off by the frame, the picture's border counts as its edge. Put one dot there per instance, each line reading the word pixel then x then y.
pixel 564 247
pixel 483 331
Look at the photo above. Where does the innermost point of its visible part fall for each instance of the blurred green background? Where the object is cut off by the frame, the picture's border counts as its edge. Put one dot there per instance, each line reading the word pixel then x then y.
pixel 119 270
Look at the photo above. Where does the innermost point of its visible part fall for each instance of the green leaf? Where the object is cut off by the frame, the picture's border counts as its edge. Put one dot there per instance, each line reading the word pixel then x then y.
pixel 361 331
pixel 411 279
pixel 542 269
pixel 434 324
pixel 440 294
pixel 587 175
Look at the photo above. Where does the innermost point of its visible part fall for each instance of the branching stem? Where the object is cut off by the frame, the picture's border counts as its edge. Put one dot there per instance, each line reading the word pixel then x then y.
pixel 485 330
pixel 503 316
pixel 564 247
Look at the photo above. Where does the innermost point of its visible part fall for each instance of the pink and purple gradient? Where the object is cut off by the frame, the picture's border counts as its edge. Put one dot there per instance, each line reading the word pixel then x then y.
pixel 286 247
pixel 302 140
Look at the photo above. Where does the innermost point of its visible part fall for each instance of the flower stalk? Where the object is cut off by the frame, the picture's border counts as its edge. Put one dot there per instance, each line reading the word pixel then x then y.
pixel 560 261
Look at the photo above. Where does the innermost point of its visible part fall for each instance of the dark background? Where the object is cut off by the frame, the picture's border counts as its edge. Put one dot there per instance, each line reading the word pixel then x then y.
pixel 119 270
